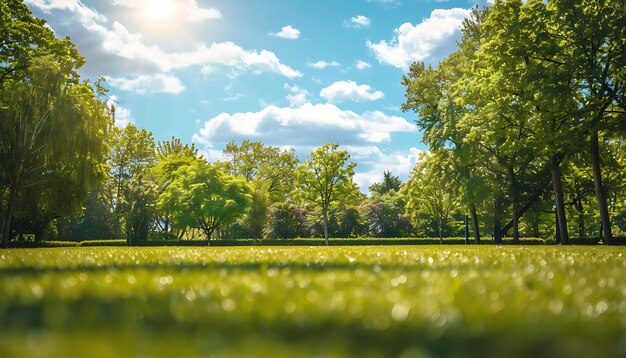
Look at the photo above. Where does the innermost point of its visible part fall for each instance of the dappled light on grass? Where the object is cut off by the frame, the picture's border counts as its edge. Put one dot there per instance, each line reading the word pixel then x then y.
pixel 284 301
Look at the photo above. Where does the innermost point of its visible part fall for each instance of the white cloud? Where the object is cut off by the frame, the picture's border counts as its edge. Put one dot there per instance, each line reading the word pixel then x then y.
pixel 288 32
pixel 122 115
pixel 320 65
pixel 112 49
pixel 358 21
pixel 373 162
pixel 234 97
pixel 308 126
pixel 362 65
pixel 297 99
pixel 188 9
pixel 75 6
pixel 342 91
pixel 297 96
pixel 144 84
pixel 432 39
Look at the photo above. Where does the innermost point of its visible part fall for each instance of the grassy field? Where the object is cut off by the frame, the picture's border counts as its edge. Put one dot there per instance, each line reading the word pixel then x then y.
pixel 406 301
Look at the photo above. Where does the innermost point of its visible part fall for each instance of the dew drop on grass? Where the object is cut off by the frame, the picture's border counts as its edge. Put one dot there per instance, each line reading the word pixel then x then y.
pixel 83 276
pixel 601 307
pixel 37 290
pixel 567 290
pixel 131 279
pixel 555 307
pixel 290 307
pixel 229 305
pixel 190 295
pixel 400 312
pixel 494 296
pixel 312 296
pixel 225 291
pixel 166 280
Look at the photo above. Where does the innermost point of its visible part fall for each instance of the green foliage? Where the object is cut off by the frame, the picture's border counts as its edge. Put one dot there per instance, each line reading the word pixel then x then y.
pixel 388 184
pixel 139 208
pixel 286 221
pixel 300 301
pixel 325 180
pixel 431 191
pixel 385 216
pixel 201 196
pixel 41 176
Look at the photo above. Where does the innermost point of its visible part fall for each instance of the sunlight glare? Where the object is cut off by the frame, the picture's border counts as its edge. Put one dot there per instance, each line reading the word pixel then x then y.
pixel 159 9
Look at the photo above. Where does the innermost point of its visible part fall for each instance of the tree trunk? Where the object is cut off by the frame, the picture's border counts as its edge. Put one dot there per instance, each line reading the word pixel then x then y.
pixel 9 215
pixel 555 170
pixel 557 235
pixel 475 224
pixel 497 231
pixel 466 230
pixel 325 220
pixel 515 223
pixel 439 228
pixel 578 204
pixel 607 236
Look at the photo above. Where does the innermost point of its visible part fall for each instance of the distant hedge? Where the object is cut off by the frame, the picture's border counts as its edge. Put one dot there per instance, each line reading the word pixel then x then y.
pixel 308 242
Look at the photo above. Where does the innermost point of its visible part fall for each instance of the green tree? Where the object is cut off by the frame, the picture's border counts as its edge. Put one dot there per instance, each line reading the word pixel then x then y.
pixel 431 190
pixel 132 155
pixel 286 221
pixel 204 197
pixel 268 170
pixel 52 129
pixel 592 34
pixel 389 183
pixel 170 155
pixel 438 96
pixel 325 180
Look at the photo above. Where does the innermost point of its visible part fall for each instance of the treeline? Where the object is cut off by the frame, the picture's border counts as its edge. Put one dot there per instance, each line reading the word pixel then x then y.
pixel 526 120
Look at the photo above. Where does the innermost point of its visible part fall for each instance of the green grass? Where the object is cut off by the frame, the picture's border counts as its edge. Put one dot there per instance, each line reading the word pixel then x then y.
pixel 408 301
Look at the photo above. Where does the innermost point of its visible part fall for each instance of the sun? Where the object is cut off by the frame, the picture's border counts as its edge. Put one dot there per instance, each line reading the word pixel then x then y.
pixel 159 9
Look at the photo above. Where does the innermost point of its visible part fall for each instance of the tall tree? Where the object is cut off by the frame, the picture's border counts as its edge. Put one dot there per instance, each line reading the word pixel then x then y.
pixel 437 95
pixel 432 190
pixel 325 179
pixel 593 38
pixel 132 155
pixel 40 105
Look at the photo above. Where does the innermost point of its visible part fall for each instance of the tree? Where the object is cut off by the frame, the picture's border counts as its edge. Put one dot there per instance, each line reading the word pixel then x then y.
pixel 593 34
pixel 389 183
pixel 170 155
pixel 200 195
pixel 139 208
pixel 325 179
pixel 132 155
pixel 438 96
pixel 25 39
pixel 431 191
pixel 385 215
pixel 268 170
pixel 52 129
pixel 286 221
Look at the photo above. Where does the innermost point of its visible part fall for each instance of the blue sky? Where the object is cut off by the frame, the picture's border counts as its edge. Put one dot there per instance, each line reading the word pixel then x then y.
pixel 288 73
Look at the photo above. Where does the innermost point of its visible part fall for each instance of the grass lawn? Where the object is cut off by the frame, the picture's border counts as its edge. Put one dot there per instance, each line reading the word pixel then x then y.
pixel 378 301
